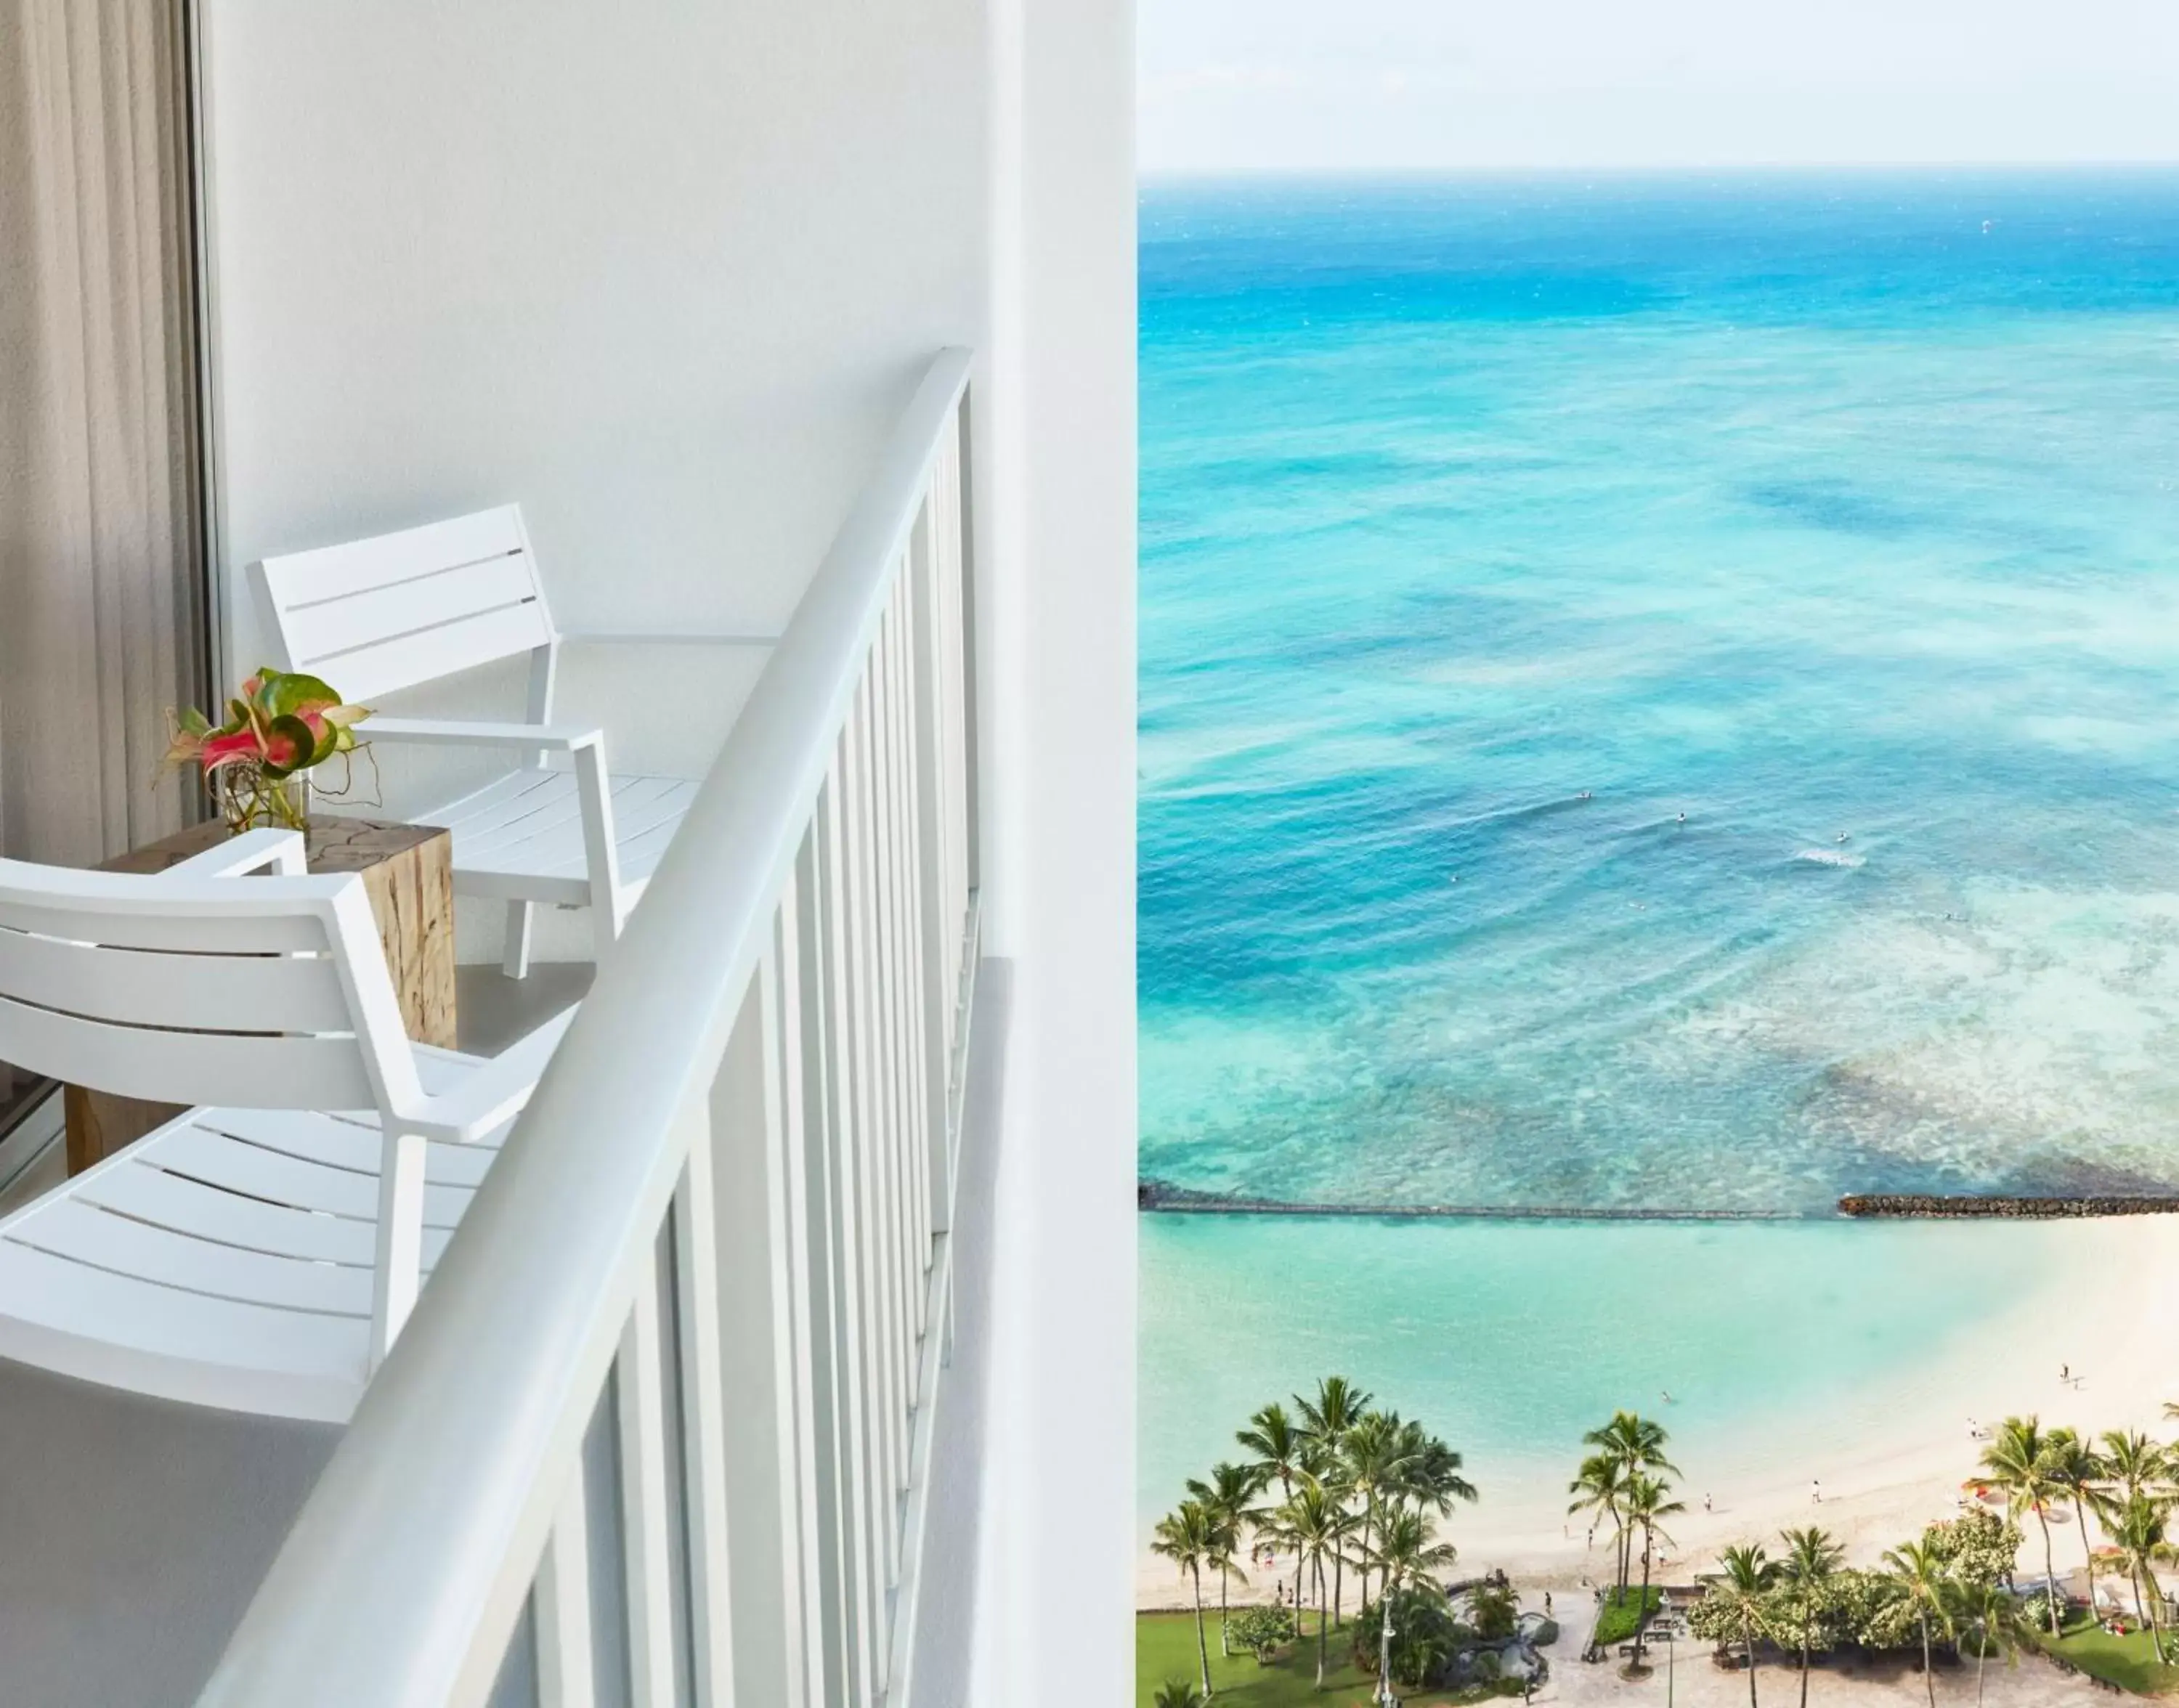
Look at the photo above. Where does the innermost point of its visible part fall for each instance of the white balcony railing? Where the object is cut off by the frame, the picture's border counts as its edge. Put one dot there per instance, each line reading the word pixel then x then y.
pixel 717 1243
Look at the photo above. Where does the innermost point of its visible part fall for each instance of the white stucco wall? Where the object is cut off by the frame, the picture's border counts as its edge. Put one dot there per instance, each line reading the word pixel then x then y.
pixel 661 271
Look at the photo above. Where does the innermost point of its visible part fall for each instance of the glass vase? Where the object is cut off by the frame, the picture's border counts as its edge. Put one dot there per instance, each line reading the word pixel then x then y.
pixel 249 799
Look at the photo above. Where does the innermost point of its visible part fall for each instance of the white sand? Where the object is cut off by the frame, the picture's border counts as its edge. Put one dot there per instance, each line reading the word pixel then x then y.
pixel 1902 1466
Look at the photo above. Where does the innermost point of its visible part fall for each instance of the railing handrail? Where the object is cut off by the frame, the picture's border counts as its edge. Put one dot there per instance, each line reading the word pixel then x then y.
pixel 395 1581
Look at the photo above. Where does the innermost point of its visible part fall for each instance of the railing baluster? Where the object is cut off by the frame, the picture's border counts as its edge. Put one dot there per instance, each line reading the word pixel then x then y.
pixel 933 976
pixel 918 1209
pixel 750 1110
pixel 856 1339
pixel 703 1398
pixel 832 1557
pixel 886 1127
pixel 638 1377
pixel 784 1018
pixel 566 1662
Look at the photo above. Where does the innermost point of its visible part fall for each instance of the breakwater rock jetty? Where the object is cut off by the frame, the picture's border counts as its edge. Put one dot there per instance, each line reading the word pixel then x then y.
pixel 1164 1196
pixel 1915 1204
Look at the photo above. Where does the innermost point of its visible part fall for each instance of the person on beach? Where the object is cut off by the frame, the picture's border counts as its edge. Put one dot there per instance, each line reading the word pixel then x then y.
pixel 1705 1502
pixel 1816 1490
pixel 1547 1604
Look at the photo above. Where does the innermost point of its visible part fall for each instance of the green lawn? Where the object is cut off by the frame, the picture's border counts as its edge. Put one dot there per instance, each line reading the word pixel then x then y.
pixel 1616 1620
pixel 1165 1648
pixel 2129 1662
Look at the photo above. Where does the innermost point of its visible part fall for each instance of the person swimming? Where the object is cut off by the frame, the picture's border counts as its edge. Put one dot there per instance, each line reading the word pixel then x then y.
pixel 1684 817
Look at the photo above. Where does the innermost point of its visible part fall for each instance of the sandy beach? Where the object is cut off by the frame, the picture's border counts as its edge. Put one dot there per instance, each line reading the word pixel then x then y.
pixel 1901 1463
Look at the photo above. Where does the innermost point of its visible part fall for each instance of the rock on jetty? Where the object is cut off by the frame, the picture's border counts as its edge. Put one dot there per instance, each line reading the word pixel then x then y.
pixel 1932 1205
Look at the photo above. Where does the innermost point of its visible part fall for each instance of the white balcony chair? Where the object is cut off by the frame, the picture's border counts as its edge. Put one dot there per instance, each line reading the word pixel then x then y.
pixel 380 615
pixel 258 1253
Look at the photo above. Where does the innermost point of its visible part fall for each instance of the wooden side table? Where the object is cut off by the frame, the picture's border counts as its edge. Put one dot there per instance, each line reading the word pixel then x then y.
pixel 408 872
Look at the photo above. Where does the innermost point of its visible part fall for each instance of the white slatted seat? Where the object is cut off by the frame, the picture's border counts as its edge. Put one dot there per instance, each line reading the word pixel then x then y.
pixel 380 615
pixel 260 1252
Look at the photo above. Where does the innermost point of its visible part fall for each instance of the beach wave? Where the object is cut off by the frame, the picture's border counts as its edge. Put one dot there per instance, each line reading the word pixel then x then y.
pixel 1830 856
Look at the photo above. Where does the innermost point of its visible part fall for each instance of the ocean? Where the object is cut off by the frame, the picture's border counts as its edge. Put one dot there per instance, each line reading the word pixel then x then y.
pixel 1655 693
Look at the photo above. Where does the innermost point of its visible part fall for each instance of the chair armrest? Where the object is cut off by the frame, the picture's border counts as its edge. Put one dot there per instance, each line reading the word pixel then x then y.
pixel 254 851
pixel 459 732
pixel 495 1093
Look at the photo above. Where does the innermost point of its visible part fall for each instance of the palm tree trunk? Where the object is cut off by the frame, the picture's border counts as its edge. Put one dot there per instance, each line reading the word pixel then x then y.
pixel 1806 1634
pixel 1982 1657
pixel 2049 1575
pixel 1642 1607
pixel 1202 1643
pixel 2088 1551
pixel 1929 1677
pixel 2155 1597
pixel 1338 1588
pixel 1748 1636
pixel 1319 1624
pixel 1225 1644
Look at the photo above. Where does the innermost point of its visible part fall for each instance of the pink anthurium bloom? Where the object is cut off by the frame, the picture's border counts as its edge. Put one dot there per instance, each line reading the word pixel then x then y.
pixel 229 747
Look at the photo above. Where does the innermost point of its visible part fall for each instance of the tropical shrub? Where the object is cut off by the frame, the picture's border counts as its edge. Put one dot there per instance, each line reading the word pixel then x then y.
pixel 1179 1692
pixel 1494 1612
pixel 1262 1632
pixel 1425 1636
pixel 1622 1613
pixel 1978 1548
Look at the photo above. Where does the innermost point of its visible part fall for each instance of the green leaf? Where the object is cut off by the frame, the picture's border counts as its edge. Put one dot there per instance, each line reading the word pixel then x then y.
pixel 289 733
pixel 284 693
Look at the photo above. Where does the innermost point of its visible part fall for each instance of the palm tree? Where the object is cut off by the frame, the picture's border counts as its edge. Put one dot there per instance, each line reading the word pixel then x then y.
pixel 2076 1468
pixel 1339 1405
pixel 1328 1421
pixel 1648 1503
pixel 2141 1539
pixel 1919 1571
pixel 1374 1463
pixel 1277 1445
pixel 1179 1692
pixel 1226 1497
pixel 1313 1525
pixel 1995 1617
pixel 1186 1537
pixel 1811 1556
pixel 1432 1477
pixel 1639 1445
pixel 1600 1486
pixel 1407 1549
pixel 1748 1576
pixel 2018 1461
pixel 2135 1468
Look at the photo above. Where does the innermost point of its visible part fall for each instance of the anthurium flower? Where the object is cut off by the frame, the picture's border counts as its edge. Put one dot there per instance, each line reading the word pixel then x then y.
pixel 283 722
pixel 229 747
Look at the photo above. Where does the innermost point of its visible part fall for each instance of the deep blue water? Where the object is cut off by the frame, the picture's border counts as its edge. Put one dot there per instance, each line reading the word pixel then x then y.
pixel 1488 526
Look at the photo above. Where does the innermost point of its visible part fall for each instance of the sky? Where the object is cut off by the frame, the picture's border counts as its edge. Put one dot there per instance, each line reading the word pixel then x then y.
pixel 1443 84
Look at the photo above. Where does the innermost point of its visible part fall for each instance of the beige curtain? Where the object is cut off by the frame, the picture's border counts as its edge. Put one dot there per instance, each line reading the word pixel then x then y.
pixel 102 607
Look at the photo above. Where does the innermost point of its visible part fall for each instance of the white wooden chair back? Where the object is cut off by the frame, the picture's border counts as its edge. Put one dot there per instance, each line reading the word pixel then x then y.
pixel 261 993
pixel 376 616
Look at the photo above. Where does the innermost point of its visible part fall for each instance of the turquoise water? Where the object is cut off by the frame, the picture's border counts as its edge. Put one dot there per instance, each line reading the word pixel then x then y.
pixel 1488 529
pixel 1513 1338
